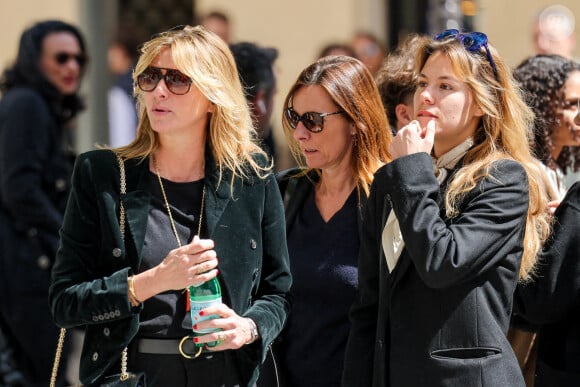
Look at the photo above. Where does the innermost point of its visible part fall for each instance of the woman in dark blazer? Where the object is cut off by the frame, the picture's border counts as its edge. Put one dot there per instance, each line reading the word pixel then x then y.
pixel 552 298
pixel 39 103
pixel 451 224
pixel 199 190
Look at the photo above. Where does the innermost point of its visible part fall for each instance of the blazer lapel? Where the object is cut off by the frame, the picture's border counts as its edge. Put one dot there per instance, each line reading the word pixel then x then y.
pixel 136 201
pixel 217 194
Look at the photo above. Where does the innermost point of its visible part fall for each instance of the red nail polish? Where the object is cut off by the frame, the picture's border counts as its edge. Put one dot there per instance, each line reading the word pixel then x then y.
pixel 195 339
pixel 201 313
pixel 194 326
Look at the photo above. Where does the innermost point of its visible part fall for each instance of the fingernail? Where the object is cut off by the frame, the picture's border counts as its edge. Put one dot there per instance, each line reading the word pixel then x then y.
pixel 195 340
pixel 217 271
pixel 201 313
pixel 194 326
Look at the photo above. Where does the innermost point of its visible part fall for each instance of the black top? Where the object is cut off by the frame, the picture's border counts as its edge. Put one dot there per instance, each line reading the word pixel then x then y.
pixel 323 262
pixel 164 315
pixel 552 300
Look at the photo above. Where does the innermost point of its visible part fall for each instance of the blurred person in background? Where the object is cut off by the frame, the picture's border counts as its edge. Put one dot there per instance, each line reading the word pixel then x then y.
pixel 256 68
pixel 37 113
pixel 551 84
pixel 397 82
pixel 219 23
pixel 551 299
pixel 369 50
pixel 336 128
pixel 336 49
pixel 122 56
pixel 553 31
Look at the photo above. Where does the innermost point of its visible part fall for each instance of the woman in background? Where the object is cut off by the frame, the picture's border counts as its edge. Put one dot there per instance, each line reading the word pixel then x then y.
pixel 39 105
pixel 551 85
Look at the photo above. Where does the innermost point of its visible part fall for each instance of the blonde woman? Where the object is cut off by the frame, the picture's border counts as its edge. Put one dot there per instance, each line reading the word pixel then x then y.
pixel 452 224
pixel 201 203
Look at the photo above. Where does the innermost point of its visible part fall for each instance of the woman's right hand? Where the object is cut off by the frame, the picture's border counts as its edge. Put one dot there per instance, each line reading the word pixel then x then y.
pixel 413 139
pixel 187 265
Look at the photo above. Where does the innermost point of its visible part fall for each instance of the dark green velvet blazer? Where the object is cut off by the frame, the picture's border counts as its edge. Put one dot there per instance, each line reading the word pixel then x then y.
pixel 89 278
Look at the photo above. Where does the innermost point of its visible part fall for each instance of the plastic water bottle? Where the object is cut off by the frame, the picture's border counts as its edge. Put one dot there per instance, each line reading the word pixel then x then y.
pixel 203 296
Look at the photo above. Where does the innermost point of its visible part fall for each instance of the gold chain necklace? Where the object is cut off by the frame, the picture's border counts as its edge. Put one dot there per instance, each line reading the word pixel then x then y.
pixel 169 208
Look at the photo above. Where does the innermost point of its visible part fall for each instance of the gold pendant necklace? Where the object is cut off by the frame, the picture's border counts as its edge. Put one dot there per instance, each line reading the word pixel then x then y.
pixel 187 305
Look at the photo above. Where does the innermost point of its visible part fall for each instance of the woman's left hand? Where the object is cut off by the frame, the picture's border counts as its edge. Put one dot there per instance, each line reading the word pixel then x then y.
pixel 236 331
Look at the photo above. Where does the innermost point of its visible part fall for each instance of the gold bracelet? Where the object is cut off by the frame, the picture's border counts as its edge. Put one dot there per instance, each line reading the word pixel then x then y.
pixel 132 296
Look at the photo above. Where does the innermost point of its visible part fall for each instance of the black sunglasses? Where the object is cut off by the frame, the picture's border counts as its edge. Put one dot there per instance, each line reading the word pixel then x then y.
pixel 472 41
pixel 63 58
pixel 176 82
pixel 312 121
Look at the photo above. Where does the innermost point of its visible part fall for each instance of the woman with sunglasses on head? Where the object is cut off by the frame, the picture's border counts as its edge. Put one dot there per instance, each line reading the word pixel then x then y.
pixel 198 190
pixel 337 129
pixel 451 225
pixel 39 103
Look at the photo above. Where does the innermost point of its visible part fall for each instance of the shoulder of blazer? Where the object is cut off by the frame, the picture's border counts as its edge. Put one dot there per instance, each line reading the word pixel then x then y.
pixel 105 171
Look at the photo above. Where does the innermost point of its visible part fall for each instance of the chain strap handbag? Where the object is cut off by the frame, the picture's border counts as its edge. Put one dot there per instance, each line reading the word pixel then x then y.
pixel 125 378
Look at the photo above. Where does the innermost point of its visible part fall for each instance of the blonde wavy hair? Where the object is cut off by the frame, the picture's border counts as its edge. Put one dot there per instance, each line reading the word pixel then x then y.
pixel 207 60
pixel 502 134
pixel 352 88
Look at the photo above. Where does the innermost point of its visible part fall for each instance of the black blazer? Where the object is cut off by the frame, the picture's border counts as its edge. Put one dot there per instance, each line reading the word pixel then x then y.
pixel 441 317
pixel 35 169
pixel 89 279
pixel 553 298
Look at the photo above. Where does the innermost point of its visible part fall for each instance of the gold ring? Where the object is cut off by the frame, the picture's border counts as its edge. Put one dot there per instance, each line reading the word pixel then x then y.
pixel 221 337
pixel 185 355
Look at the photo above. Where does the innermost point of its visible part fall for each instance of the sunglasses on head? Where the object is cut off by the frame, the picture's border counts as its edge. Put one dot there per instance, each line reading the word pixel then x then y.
pixel 472 41
pixel 63 57
pixel 176 82
pixel 312 121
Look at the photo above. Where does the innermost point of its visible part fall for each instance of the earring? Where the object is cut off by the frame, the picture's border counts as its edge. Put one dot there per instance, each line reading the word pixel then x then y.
pixel 354 140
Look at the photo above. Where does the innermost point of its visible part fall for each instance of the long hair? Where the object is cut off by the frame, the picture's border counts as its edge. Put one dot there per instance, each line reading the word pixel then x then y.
pixel 352 88
pixel 207 60
pixel 26 70
pixel 542 77
pixel 502 134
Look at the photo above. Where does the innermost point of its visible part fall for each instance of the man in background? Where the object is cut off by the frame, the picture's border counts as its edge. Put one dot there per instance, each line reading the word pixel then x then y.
pixel 553 31
pixel 255 65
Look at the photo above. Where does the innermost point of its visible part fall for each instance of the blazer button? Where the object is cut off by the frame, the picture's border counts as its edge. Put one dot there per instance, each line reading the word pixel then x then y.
pixel 117 252
pixel 60 185
pixel 95 318
pixel 43 262
pixel 117 313
pixel 95 356
pixel 106 332
pixel 253 244
pixel 32 232
pixel 101 317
